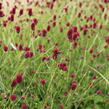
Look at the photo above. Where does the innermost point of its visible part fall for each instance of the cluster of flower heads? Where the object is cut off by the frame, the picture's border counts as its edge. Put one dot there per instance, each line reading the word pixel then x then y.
pixel 73 35
pixel 17 79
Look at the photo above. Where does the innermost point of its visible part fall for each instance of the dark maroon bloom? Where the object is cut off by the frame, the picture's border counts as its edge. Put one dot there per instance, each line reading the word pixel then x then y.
pixel 75 29
pixel 26 48
pixel 72 75
pixel 73 85
pixel 94 25
pixel 91 50
pixel 56 51
pixel 13 10
pixel 94 77
pixel 45 58
pixel 33 26
pixel 2 13
pixel 40 46
pixel 21 12
pixel 4 23
pixel 73 34
pixel 19 77
pixel 54 1
pixel 65 93
pixel 54 24
pixel 33 71
pixel 61 106
pixel 0 6
pixel 96 55
pixel 54 17
pixel 13 97
pixel 44 32
pixel 5 48
pixel 27 19
pixel 20 47
pixel 102 7
pixel 16 44
pixel 24 106
pixel 43 81
pixel 11 18
pixel 80 4
pixel 99 92
pixel 35 21
pixel 107 39
pixel 63 66
pixel 68 24
pixel 48 28
pixel 30 13
pixel 14 82
pixel 106 1
pixel 12 49
pixel 18 29
pixel 56 44
pixel 28 54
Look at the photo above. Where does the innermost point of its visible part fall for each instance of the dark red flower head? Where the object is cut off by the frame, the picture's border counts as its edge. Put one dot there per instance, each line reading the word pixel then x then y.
pixel 0 5
pixel 61 106
pixel 30 13
pixel 73 34
pixel 24 106
pixel 28 54
pixel 48 28
pixel 18 29
pixel 20 47
pixel 106 1
pixel 33 26
pixel 35 21
pixel 107 39
pixel 19 77
pixel 27 48
pixel 44 32
pixel 21 12
pixel 73 85
pixel 13 10
pixel 2 13
pixel 99 92
pixel 63 66
pixel 43 81
pixel 13 97
pixel 14 82
pixel 11 18
pixel 4 23
pixel 5 48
